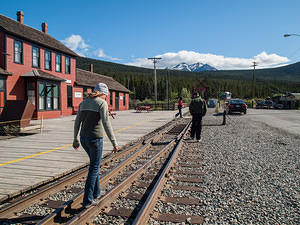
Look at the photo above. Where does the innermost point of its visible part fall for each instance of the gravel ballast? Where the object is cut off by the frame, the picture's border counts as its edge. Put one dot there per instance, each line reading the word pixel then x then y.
pixel 251 173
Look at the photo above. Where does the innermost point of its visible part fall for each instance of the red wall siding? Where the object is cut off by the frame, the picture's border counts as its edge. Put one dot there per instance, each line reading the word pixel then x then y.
pixel 2 56
pixel 47 115
pixel 121 102
pixel 16 85
pixel 76 101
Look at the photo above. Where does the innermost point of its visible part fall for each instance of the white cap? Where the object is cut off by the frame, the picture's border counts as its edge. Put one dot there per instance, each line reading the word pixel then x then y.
pixel 101 87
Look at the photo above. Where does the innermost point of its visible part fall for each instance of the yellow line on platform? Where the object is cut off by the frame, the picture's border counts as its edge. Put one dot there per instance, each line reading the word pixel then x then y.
pixel 30 156
pixel 58 148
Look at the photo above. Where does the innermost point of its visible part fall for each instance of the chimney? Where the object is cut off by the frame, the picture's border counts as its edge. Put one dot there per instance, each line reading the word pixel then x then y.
pixel 91 68
pixel 45 28
pixel 20 17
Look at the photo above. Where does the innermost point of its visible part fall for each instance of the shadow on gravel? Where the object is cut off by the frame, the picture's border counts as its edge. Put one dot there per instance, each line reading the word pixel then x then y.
pixel 218 114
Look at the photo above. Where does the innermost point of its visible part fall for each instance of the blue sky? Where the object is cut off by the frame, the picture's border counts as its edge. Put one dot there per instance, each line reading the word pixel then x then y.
pixel 227 34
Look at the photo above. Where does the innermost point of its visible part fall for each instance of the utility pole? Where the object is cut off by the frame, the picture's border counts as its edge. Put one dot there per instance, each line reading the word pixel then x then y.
pixel 253 82
pixel 155 60
pixel 168 89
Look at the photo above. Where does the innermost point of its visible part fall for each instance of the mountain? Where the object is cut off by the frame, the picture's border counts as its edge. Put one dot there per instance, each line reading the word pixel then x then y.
pixel 285 73
pixel 196 67
pixel 182 67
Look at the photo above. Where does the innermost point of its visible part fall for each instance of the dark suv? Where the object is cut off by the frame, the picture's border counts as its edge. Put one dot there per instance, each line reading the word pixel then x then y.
pixel 236 105
pixel 266 104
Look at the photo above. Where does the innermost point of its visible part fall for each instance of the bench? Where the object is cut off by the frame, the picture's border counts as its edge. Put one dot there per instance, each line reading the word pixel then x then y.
pixel 143 108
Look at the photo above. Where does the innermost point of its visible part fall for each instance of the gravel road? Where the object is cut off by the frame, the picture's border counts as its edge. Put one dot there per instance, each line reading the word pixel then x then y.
pixel 251 173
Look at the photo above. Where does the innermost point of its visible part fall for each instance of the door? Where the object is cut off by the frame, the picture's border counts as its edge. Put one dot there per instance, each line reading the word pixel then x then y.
pixel 69 96
pixel 2 93
pixel 117 101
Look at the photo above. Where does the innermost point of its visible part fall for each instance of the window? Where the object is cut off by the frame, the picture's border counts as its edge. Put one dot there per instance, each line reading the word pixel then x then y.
pixel 55 97
pixel 18 52
pixel 68 65
pixel 48 60
pixel 35 57
pixel 110 97
pixel 31 92
pixel 124 99
pixel 2 84
pixel 58 62
pixel 48 96
pixel 41 96
pixel 2 93
pixel 69 96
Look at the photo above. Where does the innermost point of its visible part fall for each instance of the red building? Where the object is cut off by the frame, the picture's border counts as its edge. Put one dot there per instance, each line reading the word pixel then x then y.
pixel 36 67
pixel 118 98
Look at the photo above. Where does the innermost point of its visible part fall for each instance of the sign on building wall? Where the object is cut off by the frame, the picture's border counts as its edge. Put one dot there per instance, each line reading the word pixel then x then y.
pixel 121 97
pixel 78 94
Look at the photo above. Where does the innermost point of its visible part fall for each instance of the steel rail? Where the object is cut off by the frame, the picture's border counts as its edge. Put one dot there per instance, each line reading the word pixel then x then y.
pixel 88 214
pixel 148 206
pixel 44 192
pixel 66 180
pixel 74 204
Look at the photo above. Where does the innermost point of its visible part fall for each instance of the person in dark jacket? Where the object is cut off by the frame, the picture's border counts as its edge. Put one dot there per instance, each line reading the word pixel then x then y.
pixel 197 109
pixel 93 119
pixel 179 108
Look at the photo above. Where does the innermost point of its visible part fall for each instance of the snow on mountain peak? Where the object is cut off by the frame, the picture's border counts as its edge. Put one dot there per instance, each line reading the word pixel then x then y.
pixel 196 67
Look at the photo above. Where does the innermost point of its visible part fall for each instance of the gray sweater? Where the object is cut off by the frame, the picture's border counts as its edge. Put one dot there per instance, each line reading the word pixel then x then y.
pixel 93 117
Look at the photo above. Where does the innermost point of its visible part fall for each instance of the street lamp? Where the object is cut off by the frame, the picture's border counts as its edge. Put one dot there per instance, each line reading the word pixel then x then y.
pixel 288 35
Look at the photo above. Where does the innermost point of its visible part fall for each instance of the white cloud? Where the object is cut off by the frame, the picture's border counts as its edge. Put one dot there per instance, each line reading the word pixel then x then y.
pixel 218 61
pixel 100 53
pixel 77 44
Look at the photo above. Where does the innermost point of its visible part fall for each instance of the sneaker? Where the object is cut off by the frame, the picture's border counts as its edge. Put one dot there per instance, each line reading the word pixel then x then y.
pixel 199 140
pixel 189 138
pixel 96 201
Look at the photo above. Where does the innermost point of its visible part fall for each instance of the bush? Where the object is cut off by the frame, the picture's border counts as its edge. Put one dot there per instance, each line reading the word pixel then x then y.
pixel 9 130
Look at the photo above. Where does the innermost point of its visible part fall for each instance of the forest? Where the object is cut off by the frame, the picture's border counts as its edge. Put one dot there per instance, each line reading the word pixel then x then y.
pixel 239 82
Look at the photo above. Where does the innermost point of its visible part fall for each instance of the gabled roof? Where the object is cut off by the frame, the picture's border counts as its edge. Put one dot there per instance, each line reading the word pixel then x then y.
pixel 30 34
pixel 89 79
pixel 4 72
pixel 42 74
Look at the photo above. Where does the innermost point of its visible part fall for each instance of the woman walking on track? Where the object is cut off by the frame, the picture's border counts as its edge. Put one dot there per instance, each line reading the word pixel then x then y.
pixel 179 108
pixel 93 119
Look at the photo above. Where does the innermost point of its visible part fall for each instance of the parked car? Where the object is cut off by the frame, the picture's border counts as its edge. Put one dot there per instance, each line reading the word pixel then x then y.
pixel 236 105
pixel 212 102
pixel 266 104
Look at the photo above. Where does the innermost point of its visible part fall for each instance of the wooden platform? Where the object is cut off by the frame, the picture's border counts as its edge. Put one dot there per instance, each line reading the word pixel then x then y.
pixel 33 159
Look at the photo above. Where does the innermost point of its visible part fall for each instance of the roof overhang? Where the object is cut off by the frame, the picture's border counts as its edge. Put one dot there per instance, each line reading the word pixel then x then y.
pixel 4 72
pixel 42 74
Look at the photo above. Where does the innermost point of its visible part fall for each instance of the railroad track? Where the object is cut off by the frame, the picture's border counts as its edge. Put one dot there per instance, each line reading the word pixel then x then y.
pixel 114 169
pixel 138 199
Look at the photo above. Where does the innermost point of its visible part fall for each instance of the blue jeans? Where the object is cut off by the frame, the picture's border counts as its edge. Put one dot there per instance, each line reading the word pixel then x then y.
pixel 179 112
pixel 93 147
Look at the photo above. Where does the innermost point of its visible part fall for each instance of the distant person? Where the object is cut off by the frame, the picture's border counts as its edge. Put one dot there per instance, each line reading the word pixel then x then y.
pixel 92 117
pixel 179 108
pixel 197 109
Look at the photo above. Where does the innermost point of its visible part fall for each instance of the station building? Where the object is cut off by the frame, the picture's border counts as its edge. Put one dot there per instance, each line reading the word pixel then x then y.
pixel 35 66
